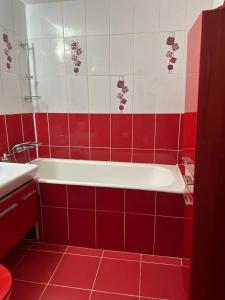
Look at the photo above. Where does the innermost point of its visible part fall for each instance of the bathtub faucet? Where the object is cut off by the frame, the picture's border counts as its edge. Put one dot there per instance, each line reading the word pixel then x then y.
pixel 25 146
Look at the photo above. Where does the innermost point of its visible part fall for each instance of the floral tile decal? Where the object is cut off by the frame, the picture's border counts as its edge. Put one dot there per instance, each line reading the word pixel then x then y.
pixel 76 53
pixel 7 50
pixel 121 95
pixel 170 54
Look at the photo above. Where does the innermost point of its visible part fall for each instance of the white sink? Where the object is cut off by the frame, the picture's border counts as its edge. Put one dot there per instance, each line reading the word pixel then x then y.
pixel 14 175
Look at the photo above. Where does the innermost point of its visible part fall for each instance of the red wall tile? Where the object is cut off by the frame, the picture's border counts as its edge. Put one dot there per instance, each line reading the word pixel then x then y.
pixel 60 152
pixel 121 155
pixel 79 153
pixel 143 131
pixel 28 127
pixel 102 154
pixel 110 199
pixel 121 130
pixel 170 205
pixel 79 129
pixel 169 236
pixel 110 230
pixel 55 225
pixel 167 130
pixel 58 129
pixel 143 156
pixel 14 129
pixel 82 197
pixel 142 202
pixel 42 128
pixel 99 130
pixel 168 157
pixel 82 228
pixel 53 194
pixel 3 136
pixel 139 234
pixel 44 151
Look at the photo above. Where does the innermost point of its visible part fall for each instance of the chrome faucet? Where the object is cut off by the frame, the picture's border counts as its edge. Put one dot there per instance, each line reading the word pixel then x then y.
pixel 26 146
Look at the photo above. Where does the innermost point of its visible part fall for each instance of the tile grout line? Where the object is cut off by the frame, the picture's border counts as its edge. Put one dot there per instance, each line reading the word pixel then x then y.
pixel 113 258
pixel 139 287
pixel 20 260
pixel 154 233
pixel 124 220
pixel 67 214
pixel 53 273
pixel 96 275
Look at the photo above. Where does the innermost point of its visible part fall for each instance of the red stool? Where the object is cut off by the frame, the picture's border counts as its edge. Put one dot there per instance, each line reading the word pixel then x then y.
pixel 5 283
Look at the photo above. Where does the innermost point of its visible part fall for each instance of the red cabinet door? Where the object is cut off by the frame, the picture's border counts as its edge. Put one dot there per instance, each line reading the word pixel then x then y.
pixel 18 213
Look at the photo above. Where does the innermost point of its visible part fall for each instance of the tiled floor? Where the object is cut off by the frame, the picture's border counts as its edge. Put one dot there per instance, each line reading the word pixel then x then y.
pixel 55 272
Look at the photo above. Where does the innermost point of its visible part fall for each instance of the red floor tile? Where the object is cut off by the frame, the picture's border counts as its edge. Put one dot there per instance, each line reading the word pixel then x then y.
pixel 118 276
pixel 109 296
pixel 162 260
pixel 161 281
pixel 49 247
pixel 84 251
pixel 22 290
pixel 13 257
pixel 76 271
pixel 37 266
pixel 24 244
pixel 122 255
pixel 62 293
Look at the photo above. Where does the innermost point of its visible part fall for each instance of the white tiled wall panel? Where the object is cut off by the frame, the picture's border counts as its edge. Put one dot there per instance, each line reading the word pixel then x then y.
pixel 13 87
pixel 118 38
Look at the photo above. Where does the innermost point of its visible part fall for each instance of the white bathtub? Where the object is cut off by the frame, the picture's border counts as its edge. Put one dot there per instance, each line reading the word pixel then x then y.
pixel 150 177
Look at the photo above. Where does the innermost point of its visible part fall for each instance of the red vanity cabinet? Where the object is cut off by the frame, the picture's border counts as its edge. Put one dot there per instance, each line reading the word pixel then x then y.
pixel 18 214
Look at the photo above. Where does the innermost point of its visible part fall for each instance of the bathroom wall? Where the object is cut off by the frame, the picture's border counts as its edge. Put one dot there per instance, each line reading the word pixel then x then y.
pixel 86 51
pixel 16 118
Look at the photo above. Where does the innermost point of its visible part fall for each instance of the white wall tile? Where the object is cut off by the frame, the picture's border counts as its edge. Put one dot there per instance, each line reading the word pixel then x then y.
pixel 53 94
pixel 19 15
pixel 82 43
pixel 170 93
pixel 74 18
pixel 194 8
pixel 121 56
pixel 49 57
pixel 6 14
pixel 173 15
pixel 77 90
pixel 11 96
pixel 44 20
pixel 97 16
pixel 99 94
pixel 121 16
pixel 147 14
pixel 98 55
pixel 115 102
pixel 145 93
pixel 179 66
pixel 146 53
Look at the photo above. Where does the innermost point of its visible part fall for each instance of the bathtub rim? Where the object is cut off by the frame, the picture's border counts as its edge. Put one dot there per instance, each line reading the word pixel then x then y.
pixel 167 189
